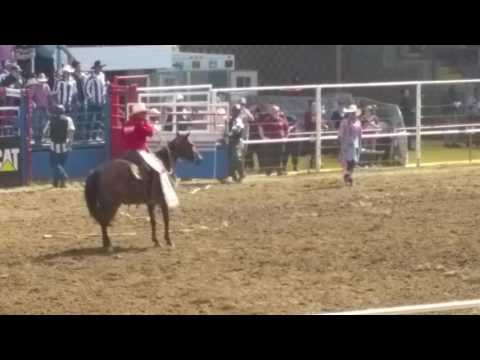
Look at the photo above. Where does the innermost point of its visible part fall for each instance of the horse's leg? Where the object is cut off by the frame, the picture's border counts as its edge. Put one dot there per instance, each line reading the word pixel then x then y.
pixel 166 220
pixel 153 222
pixel 107 244
pixel 109 215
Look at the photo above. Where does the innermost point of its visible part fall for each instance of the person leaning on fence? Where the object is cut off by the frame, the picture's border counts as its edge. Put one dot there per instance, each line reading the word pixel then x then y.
pixel 451 112
pixel 79 101
pixel 42 101
pixel 252 133
pixel 66 89
pixel 350 139
pixel 95 92
pixel 408 112
pixel 60 130
pixel 273 127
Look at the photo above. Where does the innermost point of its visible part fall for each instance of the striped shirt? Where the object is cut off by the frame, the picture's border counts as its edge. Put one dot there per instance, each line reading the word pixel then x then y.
pixel 66 146
pixel 95 90
pixel 65 92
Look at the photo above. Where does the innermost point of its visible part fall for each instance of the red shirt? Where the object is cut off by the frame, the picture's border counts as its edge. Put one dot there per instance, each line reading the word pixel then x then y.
pixel 274 128
pixel 136 132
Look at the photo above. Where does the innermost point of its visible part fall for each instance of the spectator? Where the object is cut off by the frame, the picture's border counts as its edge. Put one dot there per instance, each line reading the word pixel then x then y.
pixel 66 89
pixel 371 125
pixel 25 56
pixel 237 127
pixel 95 92
pixel 79 100
pixel 253 134
pixel 350 138
pixel 41 97
pixel 451 112
pixel 408 112
pixel 60 130
pixel 337 115
pixel 473 106
pixel 292 149
pixel 14 78
pixel 246 114
pixel 3 70
pixel 180 114
pixel 98 72
pixel 273 127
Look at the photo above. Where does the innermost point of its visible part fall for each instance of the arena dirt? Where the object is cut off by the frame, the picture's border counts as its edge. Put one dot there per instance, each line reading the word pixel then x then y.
pixel 295 245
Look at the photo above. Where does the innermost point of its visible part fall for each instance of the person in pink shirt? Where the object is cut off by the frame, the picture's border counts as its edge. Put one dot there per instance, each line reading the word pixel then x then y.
pixel 350 139
pixel 42 101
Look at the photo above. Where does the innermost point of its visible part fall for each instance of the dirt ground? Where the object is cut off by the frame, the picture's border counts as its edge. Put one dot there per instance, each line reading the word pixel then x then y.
pixel 296 245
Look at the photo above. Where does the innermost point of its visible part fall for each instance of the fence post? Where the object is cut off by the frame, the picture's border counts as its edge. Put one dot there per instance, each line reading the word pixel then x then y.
pixel 318 105
pixel 418 112
pixel 25 123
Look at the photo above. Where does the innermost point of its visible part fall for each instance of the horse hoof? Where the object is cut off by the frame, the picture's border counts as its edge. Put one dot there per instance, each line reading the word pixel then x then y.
pixel 157 245
pixel 108 250
pixel 171 246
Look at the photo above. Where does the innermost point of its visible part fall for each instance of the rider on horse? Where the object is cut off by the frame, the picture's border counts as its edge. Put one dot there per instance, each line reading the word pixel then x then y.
pixel 136 132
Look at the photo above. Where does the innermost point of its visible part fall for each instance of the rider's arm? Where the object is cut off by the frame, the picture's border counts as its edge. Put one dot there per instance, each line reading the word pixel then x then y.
pixel 145 128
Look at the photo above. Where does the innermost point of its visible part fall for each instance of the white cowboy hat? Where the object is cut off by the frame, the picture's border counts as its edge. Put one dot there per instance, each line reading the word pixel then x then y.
pixel 352 109
pixel 142 108
pixel 31 82
pixel 68 69
pixel 138 109
pixel 42 78
pixel 180 98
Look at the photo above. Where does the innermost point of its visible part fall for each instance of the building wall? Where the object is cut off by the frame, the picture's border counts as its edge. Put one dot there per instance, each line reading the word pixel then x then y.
pixel 279 64
pixel 315 64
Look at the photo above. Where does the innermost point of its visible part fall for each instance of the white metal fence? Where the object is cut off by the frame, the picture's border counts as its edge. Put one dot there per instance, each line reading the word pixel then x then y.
pixel 434 119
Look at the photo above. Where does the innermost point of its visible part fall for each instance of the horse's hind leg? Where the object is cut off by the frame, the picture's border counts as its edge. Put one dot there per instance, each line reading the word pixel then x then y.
pixel 107 244
pixel 108 215
pixel 153 222
pixel 166 222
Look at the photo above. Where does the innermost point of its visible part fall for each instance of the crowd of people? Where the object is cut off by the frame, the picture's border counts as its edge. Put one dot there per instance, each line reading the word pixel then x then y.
pixel 82 94
pixel 269 124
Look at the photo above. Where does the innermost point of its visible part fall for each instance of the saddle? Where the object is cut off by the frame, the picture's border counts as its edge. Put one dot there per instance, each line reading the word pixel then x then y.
pixel 155 178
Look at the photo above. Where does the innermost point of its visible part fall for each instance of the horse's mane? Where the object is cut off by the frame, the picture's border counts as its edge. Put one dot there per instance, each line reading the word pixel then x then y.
pixel 166 154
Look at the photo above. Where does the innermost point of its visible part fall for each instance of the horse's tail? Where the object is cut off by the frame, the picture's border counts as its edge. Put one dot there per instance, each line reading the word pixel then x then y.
pixel 91 195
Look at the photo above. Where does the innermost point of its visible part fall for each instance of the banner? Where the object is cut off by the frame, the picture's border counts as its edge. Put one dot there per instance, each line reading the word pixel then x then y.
pixel 10 161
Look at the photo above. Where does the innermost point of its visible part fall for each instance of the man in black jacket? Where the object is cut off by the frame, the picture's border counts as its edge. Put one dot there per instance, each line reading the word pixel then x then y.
pixel 408 111
pixel 60 129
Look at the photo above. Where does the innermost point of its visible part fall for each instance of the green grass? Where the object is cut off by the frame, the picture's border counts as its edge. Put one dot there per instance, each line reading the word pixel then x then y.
pixel 433 151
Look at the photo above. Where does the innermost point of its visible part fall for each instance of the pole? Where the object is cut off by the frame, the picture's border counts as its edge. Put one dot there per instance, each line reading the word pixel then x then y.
pixel 318 153
pixel 419 125
pixel 339 60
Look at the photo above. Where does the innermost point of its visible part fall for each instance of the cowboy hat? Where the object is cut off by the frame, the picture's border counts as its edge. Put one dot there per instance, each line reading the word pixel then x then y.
pixel 352 109
pixel 140 108
pixel 98 64
pixel 42 78
pixel 68 69
pixel 31 82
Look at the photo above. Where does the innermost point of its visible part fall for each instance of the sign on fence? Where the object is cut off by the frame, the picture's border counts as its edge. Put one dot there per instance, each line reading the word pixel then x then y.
pixel 10 160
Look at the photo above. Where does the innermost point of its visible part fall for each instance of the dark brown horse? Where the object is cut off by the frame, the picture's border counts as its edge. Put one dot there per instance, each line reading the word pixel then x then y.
pixel 119 182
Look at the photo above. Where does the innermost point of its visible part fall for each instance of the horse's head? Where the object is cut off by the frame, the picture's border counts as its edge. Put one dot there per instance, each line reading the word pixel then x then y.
pixel 183 148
